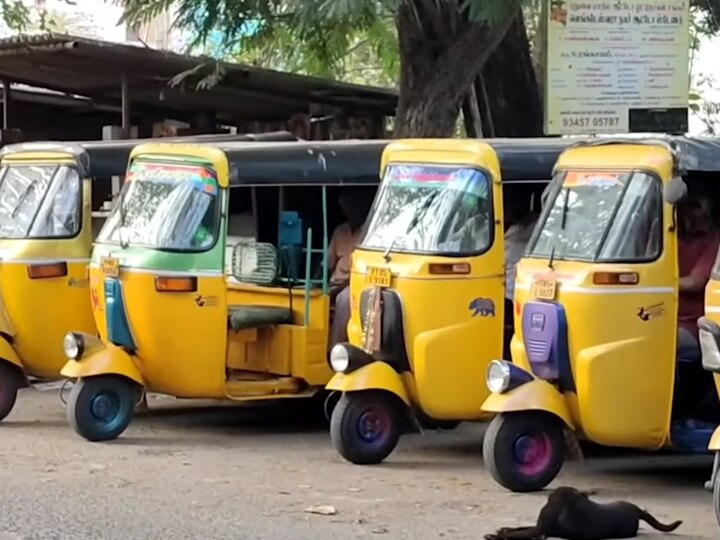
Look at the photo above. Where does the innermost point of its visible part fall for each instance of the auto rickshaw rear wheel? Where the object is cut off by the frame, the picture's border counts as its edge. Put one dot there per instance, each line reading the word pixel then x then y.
pixel 524 451
pixel 10 383
pixel 365 426
pixel 101 408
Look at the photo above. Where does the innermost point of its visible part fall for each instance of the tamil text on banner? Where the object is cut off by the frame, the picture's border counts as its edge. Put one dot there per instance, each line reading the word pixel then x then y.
pixel 615 67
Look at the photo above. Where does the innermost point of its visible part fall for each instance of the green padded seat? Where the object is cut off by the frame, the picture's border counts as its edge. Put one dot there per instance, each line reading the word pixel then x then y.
pixel 244 317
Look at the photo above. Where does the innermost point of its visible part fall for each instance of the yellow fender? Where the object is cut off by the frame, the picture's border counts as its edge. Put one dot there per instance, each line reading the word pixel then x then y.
pixel 374 376
pixel 101 358
pixel 715 440
pixel 7 353
pixel 536 395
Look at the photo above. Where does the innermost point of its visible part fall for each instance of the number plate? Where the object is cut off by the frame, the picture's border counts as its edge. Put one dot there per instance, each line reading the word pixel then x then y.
pixel 378 276
pixel 544 289
pixel 110 266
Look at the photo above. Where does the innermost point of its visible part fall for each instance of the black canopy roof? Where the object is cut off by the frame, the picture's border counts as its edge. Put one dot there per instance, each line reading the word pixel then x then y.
pixel 358 161
pixel 698 154
pixel 527 160
pixel 305 163
pixel 110 158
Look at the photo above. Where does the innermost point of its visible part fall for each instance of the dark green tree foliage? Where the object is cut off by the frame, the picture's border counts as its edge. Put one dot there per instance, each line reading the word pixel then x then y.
pixel 443 46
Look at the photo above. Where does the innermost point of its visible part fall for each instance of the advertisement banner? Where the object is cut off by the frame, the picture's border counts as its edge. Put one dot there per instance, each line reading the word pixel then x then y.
pixel 616 67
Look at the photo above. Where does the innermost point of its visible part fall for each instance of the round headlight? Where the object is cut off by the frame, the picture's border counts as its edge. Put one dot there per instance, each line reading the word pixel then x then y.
pixel 498 376
pixel 339 358
pixel 73 345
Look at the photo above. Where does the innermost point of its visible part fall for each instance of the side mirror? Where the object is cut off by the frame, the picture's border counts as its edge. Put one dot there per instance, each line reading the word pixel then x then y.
pixel 675 191
pixel 255 262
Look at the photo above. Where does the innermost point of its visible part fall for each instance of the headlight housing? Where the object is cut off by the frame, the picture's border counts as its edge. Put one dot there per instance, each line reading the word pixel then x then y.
pixel 503 376
pixel 345 358
pixel 708 335
pixel 339 358
pixel 74 345
pixel 498 376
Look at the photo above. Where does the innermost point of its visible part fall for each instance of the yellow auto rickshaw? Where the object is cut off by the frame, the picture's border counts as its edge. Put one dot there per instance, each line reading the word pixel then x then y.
pixel 47 226
pixel 709 336
pixel 428 288
pixel 595 352
pixel 210 278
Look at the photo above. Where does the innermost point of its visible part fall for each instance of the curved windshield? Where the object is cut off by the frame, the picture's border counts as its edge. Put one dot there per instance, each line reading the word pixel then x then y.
pixel 165 206
pixel 39 201
pixel 601 216
pixel 431 209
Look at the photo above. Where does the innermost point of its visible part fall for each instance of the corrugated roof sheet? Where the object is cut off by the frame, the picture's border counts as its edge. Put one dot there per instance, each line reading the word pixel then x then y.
pixel 93 68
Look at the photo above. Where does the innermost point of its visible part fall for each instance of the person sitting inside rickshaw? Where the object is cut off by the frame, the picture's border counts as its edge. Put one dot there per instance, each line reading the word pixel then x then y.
pixel 697 249
pixel 474 233
pixel 345 238
pixel 517 236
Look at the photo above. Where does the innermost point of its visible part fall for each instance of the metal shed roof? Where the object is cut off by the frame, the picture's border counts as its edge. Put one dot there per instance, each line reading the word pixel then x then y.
pixel 93 68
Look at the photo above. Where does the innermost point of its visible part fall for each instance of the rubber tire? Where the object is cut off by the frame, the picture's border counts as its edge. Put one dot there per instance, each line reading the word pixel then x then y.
pixel 501 434
pixel 81 395
pixel 343 426
pixel 716 498
pixel 10 383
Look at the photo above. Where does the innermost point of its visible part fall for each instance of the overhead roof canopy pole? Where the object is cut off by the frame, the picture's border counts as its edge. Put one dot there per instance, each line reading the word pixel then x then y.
pixel 7 100
pixel 125 104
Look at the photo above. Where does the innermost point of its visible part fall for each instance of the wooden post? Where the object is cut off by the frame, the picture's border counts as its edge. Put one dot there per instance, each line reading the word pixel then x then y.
pixel 471 114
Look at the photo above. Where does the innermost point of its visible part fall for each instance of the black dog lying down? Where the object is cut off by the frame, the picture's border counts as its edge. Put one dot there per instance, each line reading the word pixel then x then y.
pixel 570 514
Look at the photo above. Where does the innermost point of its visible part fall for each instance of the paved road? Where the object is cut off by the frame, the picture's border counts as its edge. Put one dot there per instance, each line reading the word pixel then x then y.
pixel 212 472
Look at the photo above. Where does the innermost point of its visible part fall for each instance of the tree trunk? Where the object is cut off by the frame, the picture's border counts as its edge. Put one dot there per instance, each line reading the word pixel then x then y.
pixel 441 56
pixel 512 86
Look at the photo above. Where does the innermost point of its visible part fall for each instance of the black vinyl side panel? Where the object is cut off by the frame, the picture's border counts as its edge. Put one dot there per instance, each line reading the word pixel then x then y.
pixel 392 343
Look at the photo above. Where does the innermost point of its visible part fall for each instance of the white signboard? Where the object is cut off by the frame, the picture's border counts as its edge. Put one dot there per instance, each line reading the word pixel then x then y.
pixel 607 61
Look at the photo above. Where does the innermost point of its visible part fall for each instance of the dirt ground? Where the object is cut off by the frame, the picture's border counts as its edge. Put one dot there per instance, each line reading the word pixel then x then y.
pixel 216 472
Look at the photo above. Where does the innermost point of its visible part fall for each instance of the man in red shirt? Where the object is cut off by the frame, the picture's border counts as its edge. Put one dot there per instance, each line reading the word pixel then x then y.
pixel 698 246
pixel 355 205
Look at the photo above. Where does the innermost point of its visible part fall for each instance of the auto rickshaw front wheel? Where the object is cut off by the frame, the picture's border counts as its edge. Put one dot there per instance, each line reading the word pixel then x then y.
pixel 101 408
pixel 716 497
pixel 524 451
pixel 365 426
pixel 10 383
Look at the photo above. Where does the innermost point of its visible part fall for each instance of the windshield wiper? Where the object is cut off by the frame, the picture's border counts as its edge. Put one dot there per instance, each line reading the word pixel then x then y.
pixel 563 216
pixel 563 222
pixel 21 199
pixel 413 223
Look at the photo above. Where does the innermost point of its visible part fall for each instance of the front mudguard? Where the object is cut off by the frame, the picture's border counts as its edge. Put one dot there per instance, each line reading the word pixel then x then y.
pixel 373 376
pixel 100 358
pixel 714 443
pixel 536 395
